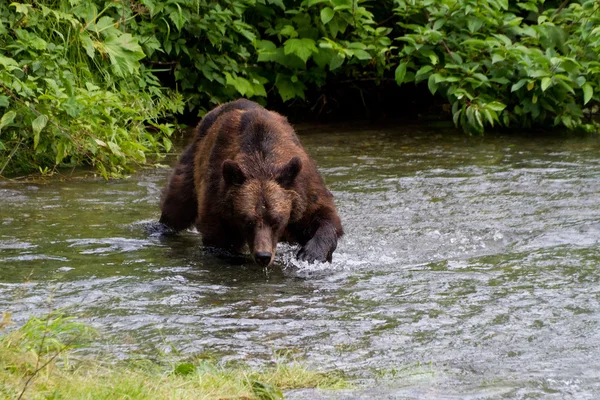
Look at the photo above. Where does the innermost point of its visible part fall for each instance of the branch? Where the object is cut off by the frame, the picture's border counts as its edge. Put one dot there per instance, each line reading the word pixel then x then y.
pixel 37 362
pixel 10 156
pixel 446 47
pixel 66 346
pixel 560 8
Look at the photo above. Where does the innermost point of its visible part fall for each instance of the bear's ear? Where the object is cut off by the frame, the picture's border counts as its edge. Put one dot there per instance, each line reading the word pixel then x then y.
pixel 232 173
pixel 288 174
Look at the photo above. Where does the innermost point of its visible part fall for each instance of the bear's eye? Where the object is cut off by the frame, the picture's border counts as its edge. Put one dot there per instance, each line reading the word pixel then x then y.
pixel 250 224
pixel 275 220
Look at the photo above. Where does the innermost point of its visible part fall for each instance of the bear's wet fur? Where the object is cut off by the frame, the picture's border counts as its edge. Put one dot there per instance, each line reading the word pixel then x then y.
pixel 246 180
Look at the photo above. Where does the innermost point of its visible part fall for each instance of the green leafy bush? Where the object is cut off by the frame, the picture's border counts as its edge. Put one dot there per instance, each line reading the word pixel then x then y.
pixel 529 63
pixel 223 50
pixel 525 64
pixel 72 90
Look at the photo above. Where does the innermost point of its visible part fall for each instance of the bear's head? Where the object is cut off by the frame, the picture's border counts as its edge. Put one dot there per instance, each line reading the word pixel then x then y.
pixel 262 205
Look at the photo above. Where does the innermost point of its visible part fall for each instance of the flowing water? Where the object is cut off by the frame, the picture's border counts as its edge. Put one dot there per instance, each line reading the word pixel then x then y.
pixel 470 268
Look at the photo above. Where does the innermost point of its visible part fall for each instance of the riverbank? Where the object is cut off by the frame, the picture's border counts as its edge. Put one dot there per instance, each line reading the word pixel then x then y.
pixel 40 360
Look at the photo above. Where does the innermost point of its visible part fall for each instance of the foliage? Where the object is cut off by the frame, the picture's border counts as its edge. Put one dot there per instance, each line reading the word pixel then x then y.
pixel 67 95
pixel 54 336
pixel 37 346
pixel 524 64
pixel 223 50
pixel 528 63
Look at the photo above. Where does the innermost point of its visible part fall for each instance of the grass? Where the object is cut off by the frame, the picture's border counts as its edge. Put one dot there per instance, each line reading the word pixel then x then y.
pixel 39 361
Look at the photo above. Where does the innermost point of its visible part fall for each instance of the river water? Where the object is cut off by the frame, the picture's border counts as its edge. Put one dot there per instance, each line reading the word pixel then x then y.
pixel 470 268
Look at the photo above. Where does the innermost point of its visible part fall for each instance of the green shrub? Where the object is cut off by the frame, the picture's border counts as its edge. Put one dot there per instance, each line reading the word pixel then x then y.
pixel 530 63
pixel 527 64
pixel 72 91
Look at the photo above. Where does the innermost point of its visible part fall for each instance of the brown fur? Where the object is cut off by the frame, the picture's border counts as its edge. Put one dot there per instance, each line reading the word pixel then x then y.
pixel 246 179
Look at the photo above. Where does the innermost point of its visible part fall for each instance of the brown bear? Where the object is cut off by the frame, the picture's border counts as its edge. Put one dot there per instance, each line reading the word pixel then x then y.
pixel 246 180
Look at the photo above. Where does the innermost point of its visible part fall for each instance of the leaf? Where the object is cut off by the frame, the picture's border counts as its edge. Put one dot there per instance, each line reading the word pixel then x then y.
pixel 259 89
pixel 242 85
pixel 432 56
pixel 478 119
pixel 8 62
pixel 151 45
pixel 496 106
pixel 456 116
pixel 115 149
pixel 288 31
pixel 91 87
pixel 268 51
pixel 400 73
pixel 501 80
pixel 474 42
pixel 336 62
pixel 21 8
pixel 4 101
pixel 266 392
pixel 60 152
pixel 497 58
pixel 323 57
pixel 327 15
pixel 528 7
pixel 474 24
pixel 37 125
pixel 105 25
pixel 167 144
pixel 488 114
pixel 431 84
pixel 357 45
pixel 278 3
pixel 518 85
pixel 303 48
pixel 124 52
pixel 421 72
pixel 566 86
pixel 178 17
pixel 456 57
pixel 588 92
pixel 7 119
pixel 288 89
pixel 361 54
pixel 184 369
pixel 87 44
pixel 546 82
pixel 102 170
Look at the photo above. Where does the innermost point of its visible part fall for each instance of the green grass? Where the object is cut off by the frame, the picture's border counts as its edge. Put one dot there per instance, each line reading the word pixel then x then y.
pixel 39 361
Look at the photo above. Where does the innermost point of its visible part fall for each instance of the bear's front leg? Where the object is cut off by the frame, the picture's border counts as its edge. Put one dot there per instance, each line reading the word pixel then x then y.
pixel 323 243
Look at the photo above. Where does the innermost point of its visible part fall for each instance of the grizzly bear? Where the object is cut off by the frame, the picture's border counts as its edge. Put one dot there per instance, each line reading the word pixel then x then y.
pixel 246 180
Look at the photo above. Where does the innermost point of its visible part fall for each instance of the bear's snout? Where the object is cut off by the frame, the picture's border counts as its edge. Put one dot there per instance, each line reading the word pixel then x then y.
pixel 263 258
